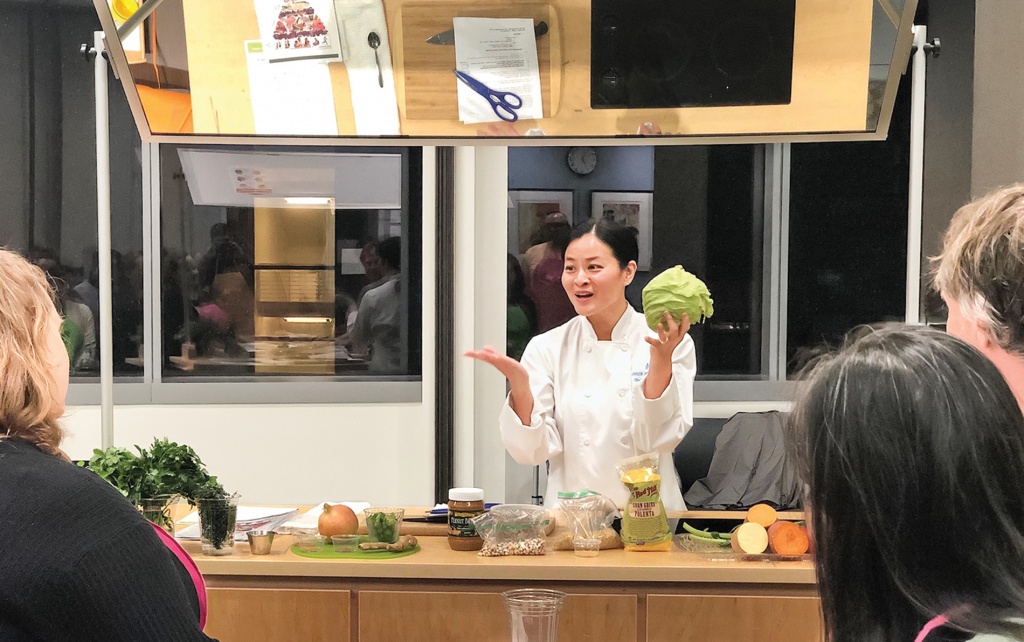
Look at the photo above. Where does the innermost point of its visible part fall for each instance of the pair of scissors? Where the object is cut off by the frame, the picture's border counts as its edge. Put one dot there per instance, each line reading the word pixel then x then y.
pixel 504 103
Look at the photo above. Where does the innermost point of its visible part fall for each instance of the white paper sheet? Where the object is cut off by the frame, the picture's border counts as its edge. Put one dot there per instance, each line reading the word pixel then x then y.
pixel 374 101
pixel 502 54
pixel 290 100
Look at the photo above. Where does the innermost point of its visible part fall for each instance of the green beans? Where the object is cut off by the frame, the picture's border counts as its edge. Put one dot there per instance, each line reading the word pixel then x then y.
pixel 708 537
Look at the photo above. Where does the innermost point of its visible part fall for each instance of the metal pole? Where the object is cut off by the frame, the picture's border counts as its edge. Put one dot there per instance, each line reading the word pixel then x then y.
pixel 136 18
pixel 916 190
pixel 106 340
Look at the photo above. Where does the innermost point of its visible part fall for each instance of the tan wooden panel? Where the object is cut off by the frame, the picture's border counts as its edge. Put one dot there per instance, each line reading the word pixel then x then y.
pixel 725 618
pixel 830 83
pixel 428 84
pixel 218 71
pixel 253 615
pixel 410 616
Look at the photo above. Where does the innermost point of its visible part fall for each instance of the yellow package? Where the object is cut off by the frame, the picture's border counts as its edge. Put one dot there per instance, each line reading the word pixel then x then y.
pixel 644 523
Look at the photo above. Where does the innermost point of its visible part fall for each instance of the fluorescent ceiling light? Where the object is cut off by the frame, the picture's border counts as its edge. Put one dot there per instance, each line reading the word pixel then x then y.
pixel 308 319
pixel 237 178
pixel 308 200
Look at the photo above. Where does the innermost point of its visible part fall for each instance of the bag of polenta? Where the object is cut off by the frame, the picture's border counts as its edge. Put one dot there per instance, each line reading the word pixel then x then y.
pixel 644 523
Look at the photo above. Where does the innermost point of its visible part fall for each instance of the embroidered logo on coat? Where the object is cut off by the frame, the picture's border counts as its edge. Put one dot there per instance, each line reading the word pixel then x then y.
pixel 638 375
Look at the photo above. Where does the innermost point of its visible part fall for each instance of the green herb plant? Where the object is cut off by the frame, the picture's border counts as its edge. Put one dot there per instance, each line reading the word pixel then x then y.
pixel 216 514
pixel 165 471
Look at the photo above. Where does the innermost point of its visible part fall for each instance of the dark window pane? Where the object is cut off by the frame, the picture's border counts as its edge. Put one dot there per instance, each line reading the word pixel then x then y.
pixel 847 235
pixel 258 281
pixel 48 161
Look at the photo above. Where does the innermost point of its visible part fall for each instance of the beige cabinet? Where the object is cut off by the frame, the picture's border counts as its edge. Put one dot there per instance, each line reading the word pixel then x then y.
pixel 272 615
pixel 728 618
pixel 386 616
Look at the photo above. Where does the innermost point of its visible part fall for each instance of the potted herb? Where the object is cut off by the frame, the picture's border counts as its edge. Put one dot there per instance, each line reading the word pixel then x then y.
pixel 153 479
pixel 217 513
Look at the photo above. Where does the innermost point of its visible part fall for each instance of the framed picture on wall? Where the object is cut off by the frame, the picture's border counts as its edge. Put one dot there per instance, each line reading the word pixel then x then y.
pixel 529 210
pixel 632 209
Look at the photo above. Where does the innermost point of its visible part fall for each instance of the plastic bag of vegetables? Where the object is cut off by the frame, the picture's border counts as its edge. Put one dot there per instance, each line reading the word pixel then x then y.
pixel 677 292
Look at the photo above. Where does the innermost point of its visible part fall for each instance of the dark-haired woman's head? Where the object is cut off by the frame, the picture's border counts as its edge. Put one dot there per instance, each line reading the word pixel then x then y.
pixel 912 448
pixel 621 239
pixel 600 261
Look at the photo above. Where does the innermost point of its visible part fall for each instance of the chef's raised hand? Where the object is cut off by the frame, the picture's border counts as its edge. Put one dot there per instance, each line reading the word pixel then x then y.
pixel 512 369
pixel 670 335
pixel 518 379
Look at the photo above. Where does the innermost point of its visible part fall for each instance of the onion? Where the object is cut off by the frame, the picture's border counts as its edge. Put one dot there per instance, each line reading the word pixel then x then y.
pixel 337 520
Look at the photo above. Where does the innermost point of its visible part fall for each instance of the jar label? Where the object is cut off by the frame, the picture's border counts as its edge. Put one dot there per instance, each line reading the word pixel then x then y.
pixel 459 524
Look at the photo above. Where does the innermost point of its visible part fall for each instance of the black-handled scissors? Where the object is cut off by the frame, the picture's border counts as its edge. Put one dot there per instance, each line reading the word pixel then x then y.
pixel 504 103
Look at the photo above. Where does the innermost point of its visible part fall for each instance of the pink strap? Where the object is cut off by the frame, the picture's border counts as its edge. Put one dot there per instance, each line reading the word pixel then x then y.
pixel 190 565
pixel 934 623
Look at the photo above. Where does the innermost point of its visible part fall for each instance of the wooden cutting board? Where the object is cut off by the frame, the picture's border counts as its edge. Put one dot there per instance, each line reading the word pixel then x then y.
pixel 426 82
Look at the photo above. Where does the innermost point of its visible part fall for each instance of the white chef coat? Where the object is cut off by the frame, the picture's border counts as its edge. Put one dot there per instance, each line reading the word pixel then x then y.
pixel 589 409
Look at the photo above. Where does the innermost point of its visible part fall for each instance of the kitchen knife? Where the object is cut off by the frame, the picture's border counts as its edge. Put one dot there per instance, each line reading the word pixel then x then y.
pixel 448 37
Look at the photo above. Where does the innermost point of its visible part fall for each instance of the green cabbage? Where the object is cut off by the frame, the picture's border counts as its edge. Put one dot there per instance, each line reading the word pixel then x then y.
pixel 676 291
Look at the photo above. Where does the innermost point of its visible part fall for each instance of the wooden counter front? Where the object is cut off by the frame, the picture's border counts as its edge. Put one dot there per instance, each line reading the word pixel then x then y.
pixel 831 60
pixel 618 595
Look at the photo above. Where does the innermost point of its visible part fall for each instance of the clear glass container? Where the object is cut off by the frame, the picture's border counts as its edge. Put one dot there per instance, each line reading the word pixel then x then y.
pixel 533 614
pixel 217 524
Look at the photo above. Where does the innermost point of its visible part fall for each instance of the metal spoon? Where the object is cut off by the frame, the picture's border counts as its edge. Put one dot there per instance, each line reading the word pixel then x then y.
pixel 374 41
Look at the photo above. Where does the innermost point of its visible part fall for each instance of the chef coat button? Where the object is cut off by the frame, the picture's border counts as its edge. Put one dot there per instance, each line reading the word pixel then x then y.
pixel 586 442
pixel 625 348
pixel 588 348
pixel 622 393
pixel 587 395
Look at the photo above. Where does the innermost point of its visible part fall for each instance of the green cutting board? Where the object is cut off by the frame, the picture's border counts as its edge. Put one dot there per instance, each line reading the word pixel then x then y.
pixel 330 554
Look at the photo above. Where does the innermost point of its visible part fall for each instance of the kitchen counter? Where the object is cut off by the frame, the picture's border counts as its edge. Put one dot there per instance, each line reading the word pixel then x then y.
pixel 436 559
pixel 436 593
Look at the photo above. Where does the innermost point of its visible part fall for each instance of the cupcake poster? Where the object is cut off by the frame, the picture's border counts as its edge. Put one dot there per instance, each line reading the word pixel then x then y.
pixel 298 30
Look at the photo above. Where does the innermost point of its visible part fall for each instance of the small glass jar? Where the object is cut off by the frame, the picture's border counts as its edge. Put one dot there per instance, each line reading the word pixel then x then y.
pixel 463 505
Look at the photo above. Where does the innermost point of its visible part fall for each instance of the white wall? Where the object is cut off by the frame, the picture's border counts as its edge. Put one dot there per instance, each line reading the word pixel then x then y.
pixel 284 454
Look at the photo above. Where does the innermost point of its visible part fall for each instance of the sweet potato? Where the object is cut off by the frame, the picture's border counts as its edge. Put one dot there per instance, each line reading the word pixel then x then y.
pixel 786 538
pixel 762 514
pixel 750 538
pixel 810 539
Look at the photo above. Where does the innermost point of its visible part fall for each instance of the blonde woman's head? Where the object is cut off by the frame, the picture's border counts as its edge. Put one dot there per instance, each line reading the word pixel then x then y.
pixel 33 359
pixel 980 272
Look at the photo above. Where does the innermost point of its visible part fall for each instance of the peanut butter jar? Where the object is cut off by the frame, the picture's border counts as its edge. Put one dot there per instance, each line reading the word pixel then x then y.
pixel 463 505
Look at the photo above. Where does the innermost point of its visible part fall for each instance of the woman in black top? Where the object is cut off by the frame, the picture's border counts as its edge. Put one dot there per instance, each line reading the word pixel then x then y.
pixel 78 562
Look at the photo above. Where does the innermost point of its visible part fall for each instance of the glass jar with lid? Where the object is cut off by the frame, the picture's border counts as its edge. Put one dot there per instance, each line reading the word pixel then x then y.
pixel 463 505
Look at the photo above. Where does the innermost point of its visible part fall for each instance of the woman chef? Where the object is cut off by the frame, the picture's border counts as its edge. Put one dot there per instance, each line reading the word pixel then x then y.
pixel 601 387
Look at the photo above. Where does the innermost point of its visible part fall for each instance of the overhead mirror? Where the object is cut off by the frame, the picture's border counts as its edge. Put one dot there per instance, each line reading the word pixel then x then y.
pixel 327 71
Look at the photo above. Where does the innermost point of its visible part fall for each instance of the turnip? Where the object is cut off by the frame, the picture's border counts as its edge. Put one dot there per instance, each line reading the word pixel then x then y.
pixel 750 538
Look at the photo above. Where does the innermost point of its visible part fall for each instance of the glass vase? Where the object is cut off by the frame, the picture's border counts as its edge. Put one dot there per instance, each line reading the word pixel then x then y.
pixel 160 511
pixel 217 524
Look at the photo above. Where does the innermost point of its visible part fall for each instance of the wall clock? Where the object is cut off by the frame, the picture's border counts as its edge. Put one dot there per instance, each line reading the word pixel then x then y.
pixel 582 160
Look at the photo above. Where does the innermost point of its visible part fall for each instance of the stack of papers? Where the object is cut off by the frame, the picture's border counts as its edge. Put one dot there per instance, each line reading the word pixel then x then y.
pixel 250 518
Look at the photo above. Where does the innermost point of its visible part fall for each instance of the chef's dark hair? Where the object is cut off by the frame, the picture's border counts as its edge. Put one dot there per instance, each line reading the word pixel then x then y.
pixel 912 448
pixel 621 239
